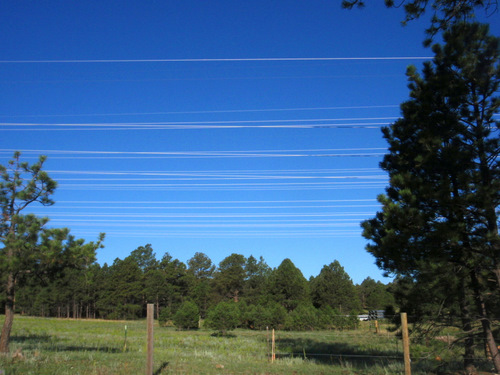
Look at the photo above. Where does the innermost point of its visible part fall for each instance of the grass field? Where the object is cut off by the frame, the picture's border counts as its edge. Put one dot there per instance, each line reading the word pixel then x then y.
pixel 61 346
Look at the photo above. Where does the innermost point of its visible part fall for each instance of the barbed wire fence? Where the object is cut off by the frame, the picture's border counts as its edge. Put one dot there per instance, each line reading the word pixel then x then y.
pixel 435 344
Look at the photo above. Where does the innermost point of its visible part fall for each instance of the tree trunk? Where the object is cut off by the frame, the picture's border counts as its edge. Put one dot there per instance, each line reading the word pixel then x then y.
pixel 9 314
pixel 467 329
pixel 485 322
pixel 497 274
pixel 157 307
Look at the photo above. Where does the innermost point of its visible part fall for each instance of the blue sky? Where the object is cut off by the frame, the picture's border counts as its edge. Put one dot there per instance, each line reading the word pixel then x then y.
pixel 215 127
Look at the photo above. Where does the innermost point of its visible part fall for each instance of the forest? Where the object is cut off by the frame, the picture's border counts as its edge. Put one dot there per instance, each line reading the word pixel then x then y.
pixel 280 297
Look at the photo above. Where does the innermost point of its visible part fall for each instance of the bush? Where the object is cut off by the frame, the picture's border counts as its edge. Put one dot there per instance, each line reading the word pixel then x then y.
pixel 342 322
pixel 187 317
pixel 326 317
pixel 261 317
pixel 304 317
pixel 165 318
pixel 223 317
pixel 257 317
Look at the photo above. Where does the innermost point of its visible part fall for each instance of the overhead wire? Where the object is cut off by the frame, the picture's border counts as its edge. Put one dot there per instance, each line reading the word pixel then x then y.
pixel 206 111
pixel 204 60
pixel 258 223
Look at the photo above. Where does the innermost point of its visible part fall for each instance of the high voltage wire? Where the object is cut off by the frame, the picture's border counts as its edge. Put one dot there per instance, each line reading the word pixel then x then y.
pixel 187 155
pixel 225 201
pixel 232 234
pixel 208 122
pixel 220 172
pixel 323 218
pixel 195 125
pixel 213 215
pixel 282 187
pixel 209 111
pixel 203 154
pixel 175 152
pixel 219 175
pixel 310 123
pixel 209 207
pixel 268 59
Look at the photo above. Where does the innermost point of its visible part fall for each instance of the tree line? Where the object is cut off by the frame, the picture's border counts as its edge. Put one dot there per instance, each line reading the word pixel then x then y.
pixel 265 296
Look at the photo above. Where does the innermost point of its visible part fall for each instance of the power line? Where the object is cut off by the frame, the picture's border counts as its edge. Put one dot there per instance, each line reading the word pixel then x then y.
pixel 73 154
pixel 268 59
pixel 211 112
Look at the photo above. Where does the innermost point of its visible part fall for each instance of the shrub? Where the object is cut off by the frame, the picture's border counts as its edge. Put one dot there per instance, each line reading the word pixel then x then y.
pixel 304 317
pixel 342 322
pixel 187 317
pixel 269 316
pixel 277 316
pixel 224 317
pixel 165 318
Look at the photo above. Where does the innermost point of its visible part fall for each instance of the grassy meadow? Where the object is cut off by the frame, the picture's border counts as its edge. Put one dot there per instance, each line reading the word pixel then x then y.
pixel 64 346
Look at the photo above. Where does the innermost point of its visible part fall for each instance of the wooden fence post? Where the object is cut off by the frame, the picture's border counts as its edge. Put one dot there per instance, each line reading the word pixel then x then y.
pixel 268 344
pixel 150 324
pixel 273 348
pixel 406 343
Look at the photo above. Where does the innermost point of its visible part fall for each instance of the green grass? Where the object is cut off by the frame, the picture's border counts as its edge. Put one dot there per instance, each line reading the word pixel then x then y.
pixel 61 346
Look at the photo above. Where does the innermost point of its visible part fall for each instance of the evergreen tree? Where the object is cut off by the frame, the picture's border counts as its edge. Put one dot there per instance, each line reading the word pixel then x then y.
pixel 333 287
pixel 176 276
pixel 187 316
pixel 145 258
pixel 304 318
pixel 445 12
pixel 374 295
pixel 256 278
pixel 223 317
pixel 288 286
pixel 200 273
pixel 91 287
pixel 122 299
pixel 28 246
pixel 441 205
pixel 230 277
pixel 155 288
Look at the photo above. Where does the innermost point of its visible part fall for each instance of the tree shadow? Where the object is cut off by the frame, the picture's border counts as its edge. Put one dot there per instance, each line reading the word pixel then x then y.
pixel 224 335
pixel 333 353
pixel 73 348
pixel 50 344
pixel 161 368
pixel 31 337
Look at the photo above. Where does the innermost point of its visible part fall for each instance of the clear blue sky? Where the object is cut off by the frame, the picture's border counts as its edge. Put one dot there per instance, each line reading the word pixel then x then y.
pixel 272 158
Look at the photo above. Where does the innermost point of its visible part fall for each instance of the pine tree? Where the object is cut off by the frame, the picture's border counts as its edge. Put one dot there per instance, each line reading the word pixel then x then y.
pixel 333 287
pixel 28 246
pixel 445 12
pixel 229 278
pixel 440 207
pixel 200 273
pixel 288 286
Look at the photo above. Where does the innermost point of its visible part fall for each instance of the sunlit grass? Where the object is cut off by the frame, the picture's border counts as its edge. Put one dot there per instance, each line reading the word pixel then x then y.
pixel 63 346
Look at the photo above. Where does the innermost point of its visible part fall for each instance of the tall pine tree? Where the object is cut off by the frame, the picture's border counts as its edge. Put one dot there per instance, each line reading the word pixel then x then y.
pixel 440 207
pixel 28 246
